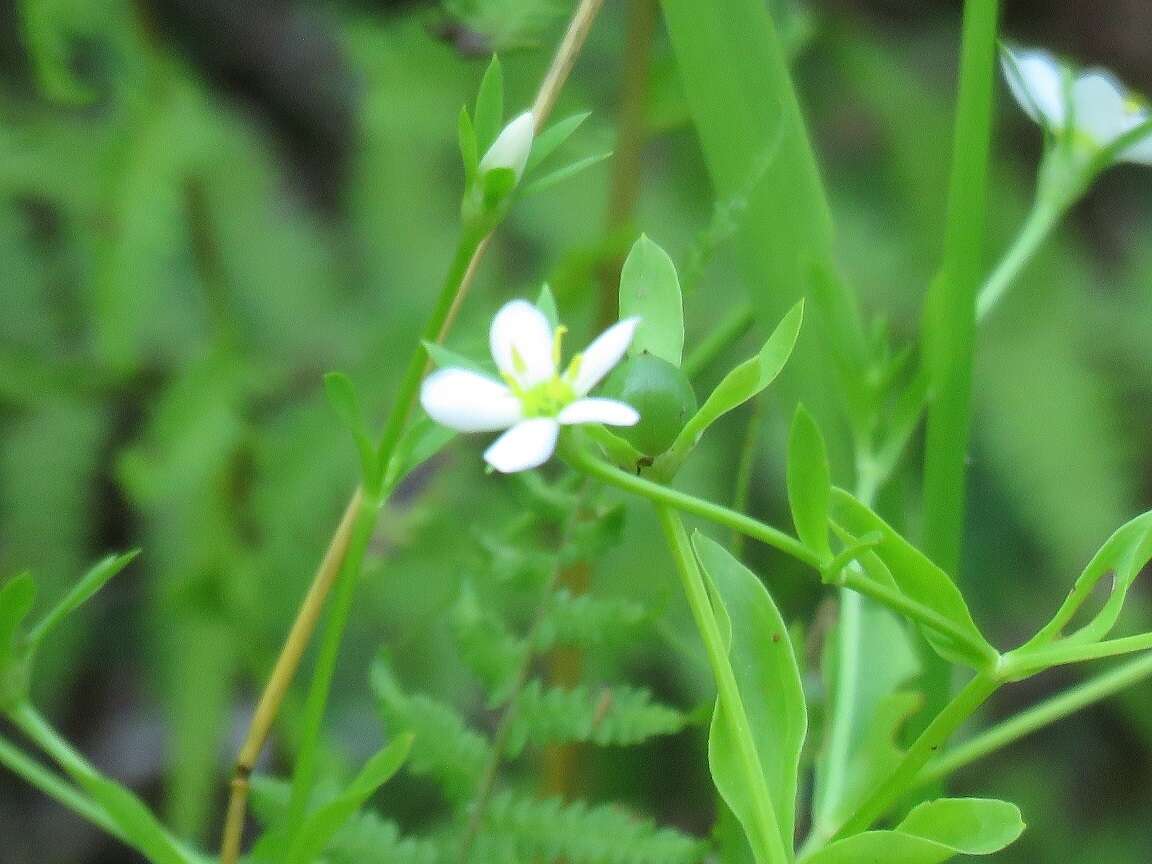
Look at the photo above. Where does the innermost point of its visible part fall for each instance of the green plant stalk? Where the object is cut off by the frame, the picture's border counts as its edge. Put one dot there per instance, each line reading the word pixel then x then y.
pixel 1035 230
pixel 906 773
pixel 997 737
pixel 1022 663
pixel 950 315
pixel 777 539
pixel 55 787
pixel 320 688
pixel 727 690
pixel 686 503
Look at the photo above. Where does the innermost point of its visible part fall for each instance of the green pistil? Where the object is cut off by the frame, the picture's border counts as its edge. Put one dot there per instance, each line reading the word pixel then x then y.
pixel 547 399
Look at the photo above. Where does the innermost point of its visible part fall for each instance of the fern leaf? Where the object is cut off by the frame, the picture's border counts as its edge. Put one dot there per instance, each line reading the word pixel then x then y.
pixel 586 621
pixel 606 716
pixel 487 646
pixel 371 839
pixel 446 749
pixel 525 829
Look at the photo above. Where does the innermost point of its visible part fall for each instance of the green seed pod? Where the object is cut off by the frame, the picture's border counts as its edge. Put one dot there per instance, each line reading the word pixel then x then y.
pixel 661 393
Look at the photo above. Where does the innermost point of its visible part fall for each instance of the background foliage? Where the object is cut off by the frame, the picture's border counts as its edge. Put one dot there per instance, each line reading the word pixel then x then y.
pixel 204 206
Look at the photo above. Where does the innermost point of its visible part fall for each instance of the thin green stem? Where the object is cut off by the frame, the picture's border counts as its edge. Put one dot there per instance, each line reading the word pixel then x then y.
pixel 1035 230
pixel 345 591
pixel 728 693
pixel 722 337
pixel 1023 663
pixel 1095 689
pixel 906 773
pixel 899 602
pixel 55 787
pixel 686 503
pixel 745 467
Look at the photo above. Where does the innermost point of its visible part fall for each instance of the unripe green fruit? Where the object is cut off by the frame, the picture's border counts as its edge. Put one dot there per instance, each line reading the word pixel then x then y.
pixel 661 393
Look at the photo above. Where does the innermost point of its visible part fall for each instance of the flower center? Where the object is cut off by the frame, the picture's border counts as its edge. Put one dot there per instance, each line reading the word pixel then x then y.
pixel 547 398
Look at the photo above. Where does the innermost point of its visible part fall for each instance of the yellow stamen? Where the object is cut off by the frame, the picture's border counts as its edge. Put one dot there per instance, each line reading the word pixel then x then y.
pixel 557 341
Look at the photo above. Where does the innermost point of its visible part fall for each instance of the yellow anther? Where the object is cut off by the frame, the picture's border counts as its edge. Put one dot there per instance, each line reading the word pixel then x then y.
pixel 573 370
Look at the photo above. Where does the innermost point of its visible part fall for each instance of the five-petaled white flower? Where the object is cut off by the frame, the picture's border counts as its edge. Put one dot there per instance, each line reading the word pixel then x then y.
pixel 1090 106
pixel 535 399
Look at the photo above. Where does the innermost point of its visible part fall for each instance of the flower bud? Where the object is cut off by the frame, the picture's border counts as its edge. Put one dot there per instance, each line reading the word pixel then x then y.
pixel 661 393
pixel 512 146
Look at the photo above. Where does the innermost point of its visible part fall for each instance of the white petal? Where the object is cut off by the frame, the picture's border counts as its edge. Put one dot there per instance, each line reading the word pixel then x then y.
pixel 1099 107
pixel 521 343
pixel 607 411
pixel 526 445
pixel 604 353
pixel 1036 79
pixel 468 402
pixel 512 146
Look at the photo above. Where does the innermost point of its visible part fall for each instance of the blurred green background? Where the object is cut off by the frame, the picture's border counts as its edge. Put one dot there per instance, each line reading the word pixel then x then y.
pixel 206 204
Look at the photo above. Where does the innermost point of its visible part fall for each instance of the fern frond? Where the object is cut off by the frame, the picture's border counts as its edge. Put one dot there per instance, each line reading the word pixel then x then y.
pixel 487 645
pixel 585 620
pixel 606 716
pixel 519 828
pixel 446 748
pixel 371 839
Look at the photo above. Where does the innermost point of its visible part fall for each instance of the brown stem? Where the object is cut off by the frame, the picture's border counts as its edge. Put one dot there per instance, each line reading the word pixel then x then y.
pixel 308 616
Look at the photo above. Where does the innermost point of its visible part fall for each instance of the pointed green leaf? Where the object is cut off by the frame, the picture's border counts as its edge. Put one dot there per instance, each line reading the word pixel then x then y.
pixel 83 591
pixel 446 358
pixel 933 832
pixel 916 576
pixel 546 303
pixel 469 149
pixel 1123 556
pixel 650 289
pixel 421 441
pixel 16 599
pixel 490 105
pixel 809 483
pixel 564 173
pixel 320 826
pixel 552 137
pixel 770 690
pixel 345 401
pixel 139 826
pixel 743 382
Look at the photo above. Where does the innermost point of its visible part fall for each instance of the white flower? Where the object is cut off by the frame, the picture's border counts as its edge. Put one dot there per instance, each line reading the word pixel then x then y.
pixel 512 146
pixel 535 399
pixel 1097 106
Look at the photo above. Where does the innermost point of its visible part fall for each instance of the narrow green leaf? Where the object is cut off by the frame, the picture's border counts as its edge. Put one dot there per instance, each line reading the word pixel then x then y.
pixel 469 149
pixel 809 483
pixel 345 401
pixel 16 599
pixel 743 382
pixel 1124 556
pixel 421 441
pixel 768 679
pixel 83 591
pixel 916 576
pixel 621 452
pixel 551 138
pixel 139 826
pixel 490 105
pixel 446 358
pixel 933 832
pixel 650 289
pixel 566 172
pixel 320 826
pixel 546 303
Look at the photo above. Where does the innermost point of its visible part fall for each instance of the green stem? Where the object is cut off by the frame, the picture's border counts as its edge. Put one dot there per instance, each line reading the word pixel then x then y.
pixel 55 787
pixel 950 316
pixel 929 741
pixel 451 292
pixel 669 497
pixel 314 709
pixel 1036 229
pixel 1029 662
pixel 749 449
pixel 728 693
pixel 1025 723
pixel 899 602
